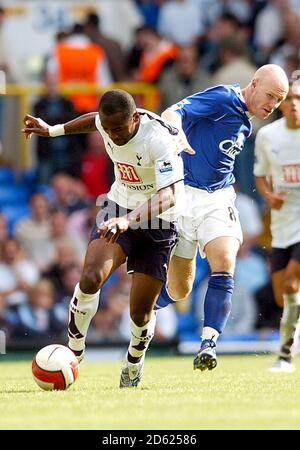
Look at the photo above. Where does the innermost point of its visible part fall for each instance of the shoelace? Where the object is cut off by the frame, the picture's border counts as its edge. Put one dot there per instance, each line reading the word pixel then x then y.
pixel 207 343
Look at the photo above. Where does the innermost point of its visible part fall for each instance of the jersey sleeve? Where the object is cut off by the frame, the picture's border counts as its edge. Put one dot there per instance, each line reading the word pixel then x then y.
pixel 261 162
pixel 202 104
pixel 168 165
pixel 97 123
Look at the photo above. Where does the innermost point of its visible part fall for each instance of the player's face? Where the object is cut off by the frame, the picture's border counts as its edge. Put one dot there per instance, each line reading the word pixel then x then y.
pixel 120 129
pixel 266 97
pixel 291 106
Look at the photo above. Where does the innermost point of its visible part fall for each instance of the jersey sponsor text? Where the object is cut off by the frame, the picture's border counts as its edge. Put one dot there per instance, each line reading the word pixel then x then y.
pixel 291 173
pixel 128 173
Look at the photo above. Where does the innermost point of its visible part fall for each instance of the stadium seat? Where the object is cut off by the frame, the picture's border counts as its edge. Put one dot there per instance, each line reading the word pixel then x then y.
pixel 47 191
pixel 7 176
pixel 14 214
pixel 13 195
pixel 28 177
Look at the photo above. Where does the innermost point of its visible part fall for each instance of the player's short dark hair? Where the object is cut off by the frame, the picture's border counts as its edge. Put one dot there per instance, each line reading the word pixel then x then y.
pixel 115 101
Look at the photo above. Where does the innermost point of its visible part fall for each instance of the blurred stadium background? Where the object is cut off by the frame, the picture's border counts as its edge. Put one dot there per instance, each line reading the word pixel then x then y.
pixel 56 58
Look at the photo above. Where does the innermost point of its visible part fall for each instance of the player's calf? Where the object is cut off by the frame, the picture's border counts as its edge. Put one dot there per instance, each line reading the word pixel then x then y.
pixel 132 370
pixel 82 309
pixel 217 306
pixel 165 299
pixel 289 330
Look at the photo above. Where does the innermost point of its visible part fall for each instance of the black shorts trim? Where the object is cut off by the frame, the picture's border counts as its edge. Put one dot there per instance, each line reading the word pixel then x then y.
pixel 280 257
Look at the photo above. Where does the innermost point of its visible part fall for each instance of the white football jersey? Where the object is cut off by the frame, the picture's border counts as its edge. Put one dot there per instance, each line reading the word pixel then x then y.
pixel 146 164
pixel 277 155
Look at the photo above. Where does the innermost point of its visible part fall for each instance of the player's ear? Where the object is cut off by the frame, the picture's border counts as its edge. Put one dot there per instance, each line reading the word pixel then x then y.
pixel 136 116
pixel 254 83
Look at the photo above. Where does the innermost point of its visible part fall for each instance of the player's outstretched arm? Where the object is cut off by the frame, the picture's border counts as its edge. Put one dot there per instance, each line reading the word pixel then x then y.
pixel 163 200
pixel 82 124
pixel 175 119
pixel 275 199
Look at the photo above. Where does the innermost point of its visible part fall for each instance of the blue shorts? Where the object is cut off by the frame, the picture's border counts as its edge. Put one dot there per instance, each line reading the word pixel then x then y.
pixel 148 248
pixel 280 257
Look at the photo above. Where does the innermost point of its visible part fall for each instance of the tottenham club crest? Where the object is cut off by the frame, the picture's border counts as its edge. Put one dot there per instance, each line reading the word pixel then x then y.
pixel 139 158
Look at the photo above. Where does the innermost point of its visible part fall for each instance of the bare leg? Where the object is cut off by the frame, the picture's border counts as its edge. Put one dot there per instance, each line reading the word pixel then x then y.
pixel 100 261
pixel 181 275
pixel 286 286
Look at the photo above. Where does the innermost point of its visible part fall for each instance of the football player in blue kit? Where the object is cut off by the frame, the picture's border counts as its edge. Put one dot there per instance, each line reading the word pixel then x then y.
pixel 214 125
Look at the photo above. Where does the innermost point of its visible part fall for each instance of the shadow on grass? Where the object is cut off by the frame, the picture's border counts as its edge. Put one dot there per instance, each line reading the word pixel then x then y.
pixel 18 391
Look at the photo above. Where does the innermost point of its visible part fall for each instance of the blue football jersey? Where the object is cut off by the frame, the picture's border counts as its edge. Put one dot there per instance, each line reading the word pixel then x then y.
pixel 216 123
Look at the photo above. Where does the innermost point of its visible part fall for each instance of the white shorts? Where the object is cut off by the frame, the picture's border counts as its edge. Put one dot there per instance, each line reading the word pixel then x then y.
pixel 206 216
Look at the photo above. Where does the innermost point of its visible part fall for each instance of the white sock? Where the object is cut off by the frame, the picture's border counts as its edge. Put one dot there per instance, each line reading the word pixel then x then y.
pixel 289 323
pixel 141 337
pixel 82 309
pixel 210 333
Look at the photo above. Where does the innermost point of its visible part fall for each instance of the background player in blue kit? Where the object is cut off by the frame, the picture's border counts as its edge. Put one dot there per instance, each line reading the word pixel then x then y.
pixel 213 127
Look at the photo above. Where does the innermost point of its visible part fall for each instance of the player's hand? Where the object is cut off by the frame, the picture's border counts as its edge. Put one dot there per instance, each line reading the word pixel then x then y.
pixel 34 125
pixel 276 199
pixel 112 228
pixel 183 145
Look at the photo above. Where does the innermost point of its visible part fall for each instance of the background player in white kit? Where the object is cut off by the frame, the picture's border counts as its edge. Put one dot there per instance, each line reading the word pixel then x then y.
pixel 277 172
pixel 135 222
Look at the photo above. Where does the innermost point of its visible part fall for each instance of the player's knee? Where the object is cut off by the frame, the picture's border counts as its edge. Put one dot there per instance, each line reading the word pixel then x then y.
pixel 180 291
pixel 225 262
pixel 140 318
pixel 90 281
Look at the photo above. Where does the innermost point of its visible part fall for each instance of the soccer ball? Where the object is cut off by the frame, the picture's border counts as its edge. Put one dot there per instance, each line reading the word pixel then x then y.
pixel 55 367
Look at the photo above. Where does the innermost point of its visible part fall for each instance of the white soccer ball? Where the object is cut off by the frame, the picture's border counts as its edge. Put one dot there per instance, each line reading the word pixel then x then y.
pixel 55 367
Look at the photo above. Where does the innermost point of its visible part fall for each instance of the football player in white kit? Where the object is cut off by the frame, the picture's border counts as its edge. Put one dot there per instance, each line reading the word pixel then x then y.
pixel 277 175
pixel 136 219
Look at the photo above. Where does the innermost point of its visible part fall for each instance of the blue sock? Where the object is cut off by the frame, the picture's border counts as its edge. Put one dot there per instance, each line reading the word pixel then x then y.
pixel 217 304
pixel 163 300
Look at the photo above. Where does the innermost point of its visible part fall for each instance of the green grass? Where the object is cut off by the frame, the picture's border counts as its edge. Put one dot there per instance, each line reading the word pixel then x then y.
pixel 239 394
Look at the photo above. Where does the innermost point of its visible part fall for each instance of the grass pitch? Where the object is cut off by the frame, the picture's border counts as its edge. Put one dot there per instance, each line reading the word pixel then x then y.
pixel 239 394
